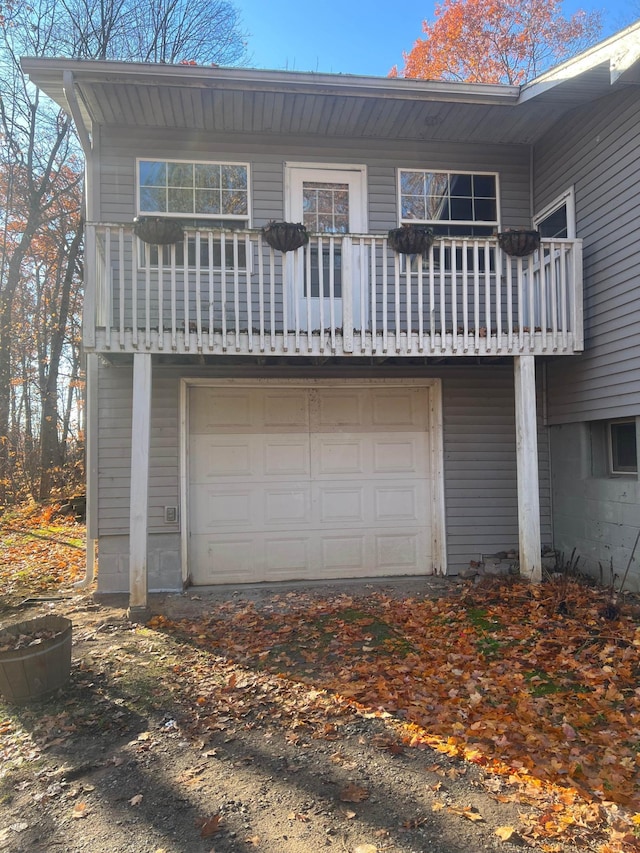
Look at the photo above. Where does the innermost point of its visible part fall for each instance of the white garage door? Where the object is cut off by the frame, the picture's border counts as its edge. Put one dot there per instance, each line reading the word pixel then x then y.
pixel 306 483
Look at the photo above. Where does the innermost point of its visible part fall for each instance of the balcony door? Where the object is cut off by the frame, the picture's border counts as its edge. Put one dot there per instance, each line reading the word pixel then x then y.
pixel 331 202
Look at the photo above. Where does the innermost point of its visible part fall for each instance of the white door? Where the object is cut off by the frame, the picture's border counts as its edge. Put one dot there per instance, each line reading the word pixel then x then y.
pixel 330 202
pixel 291 483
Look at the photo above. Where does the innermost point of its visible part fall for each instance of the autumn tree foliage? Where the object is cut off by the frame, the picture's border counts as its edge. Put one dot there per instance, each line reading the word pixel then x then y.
pixel 41 211
pixel 497 41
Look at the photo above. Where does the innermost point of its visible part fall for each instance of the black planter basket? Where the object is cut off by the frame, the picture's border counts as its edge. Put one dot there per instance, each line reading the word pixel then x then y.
pixel 519 243
pixel 285 236
pixel 157 230
pixel 411 239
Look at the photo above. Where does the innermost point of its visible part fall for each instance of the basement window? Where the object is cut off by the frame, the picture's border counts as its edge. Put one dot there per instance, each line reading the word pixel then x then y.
pixel 623 448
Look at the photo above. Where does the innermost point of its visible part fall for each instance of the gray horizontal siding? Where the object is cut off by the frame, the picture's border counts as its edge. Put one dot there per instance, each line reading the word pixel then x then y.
pixel 121 146
pixel 596 150
pixel 479 450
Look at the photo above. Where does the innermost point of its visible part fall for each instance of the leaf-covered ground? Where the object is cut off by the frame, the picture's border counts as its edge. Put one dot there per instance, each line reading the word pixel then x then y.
pixel 537 685
pixel 462 718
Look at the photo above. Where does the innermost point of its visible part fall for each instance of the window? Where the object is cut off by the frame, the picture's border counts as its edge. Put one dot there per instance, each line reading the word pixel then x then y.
pixel 452 203
pixel 623 449
pixel 558 219
pixel 177 188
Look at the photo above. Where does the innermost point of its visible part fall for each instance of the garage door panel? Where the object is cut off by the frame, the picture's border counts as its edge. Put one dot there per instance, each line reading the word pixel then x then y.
pixel 286 456
pixel 285 410
pixel 333 456
pixel 399 409
pixel 400 552
pixel 226 559
pixel 323 483
pixel 286 507
pixel 341 505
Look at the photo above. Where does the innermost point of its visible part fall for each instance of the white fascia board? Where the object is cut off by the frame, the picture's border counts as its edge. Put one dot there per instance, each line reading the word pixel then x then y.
pixel 42 71
pixel 621 51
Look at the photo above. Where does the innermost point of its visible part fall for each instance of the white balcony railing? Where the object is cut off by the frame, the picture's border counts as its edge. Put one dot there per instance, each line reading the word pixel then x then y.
pixel 228 292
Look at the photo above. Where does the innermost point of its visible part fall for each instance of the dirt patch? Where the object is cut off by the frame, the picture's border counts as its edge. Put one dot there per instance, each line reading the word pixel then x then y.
pixel 160 743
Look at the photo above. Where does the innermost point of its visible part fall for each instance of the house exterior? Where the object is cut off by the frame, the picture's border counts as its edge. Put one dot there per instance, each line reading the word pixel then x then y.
pixel 342 410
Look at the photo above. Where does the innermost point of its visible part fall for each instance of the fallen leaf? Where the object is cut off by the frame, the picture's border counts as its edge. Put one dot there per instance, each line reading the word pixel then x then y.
pixel 79 810
pixel 504 833
pixel 135 801
pixel 297 816
pixel 469 812
pixel 209 826
pixel 365 848
pixel 253 839
pixel 353 794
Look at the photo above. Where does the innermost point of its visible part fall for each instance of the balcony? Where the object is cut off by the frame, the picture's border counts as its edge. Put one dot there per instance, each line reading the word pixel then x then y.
pixel 224 292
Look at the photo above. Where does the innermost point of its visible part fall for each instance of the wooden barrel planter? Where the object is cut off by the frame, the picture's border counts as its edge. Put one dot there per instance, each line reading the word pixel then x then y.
pixel 157 230
pixel 35 658
pixel 285 236
pixel 411 239
pixel 519 243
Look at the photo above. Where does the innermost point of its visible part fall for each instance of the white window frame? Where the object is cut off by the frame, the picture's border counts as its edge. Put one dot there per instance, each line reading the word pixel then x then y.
pixel 629 472
pixel 456 223
pixel 566 198
pixel 214 216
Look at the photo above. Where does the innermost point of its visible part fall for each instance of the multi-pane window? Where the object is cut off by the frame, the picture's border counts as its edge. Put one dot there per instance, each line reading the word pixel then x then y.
pixel 175 188
pixel 452 203
pixel 325 207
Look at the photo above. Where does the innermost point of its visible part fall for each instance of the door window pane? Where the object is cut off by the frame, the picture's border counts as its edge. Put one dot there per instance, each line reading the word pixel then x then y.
pixel 325 207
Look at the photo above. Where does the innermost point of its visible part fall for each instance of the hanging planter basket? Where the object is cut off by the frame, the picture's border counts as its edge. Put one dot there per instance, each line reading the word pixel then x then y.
pixel 411 239
pixel 519 243
pixel 35 658
pixel 157 230
pixel 285 236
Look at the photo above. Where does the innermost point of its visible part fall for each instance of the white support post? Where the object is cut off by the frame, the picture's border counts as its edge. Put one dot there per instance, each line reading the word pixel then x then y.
pixel 138 517
pixel 527 467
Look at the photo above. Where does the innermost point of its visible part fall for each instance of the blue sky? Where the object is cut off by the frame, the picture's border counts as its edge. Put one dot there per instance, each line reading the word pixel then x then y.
pixel 359 37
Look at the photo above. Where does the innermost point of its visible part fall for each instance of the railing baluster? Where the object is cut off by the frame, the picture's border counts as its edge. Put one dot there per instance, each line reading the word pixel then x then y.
pixel 544 291
pixel 296 295
pixel 185 290
pixel 174 300
pixel 420 275
pixel 487 295
pixel 454 296
pixel 134 290
pixel 108 308
pixel 520 305
pixel 465 297
pixel 532 306
pixel 443 306
pixel 247 255
pixel 321 303
pixel 432 297
pixel 320 290
pixel 372 289
pixel 211 288
pixel 385 295
pixel 236 291
pixel 198 294
pixel 347 293
pixel 147 296
pixel 498 275
pixel 285 290
pixel 332 285
pixel 223 289
pixel 121 283
pixel 363 296
pixel 272 292
pixel 396 284
pixel 408 281
pixel 509 270
pixel 161 300
pixel 261 293
pixel 476 296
